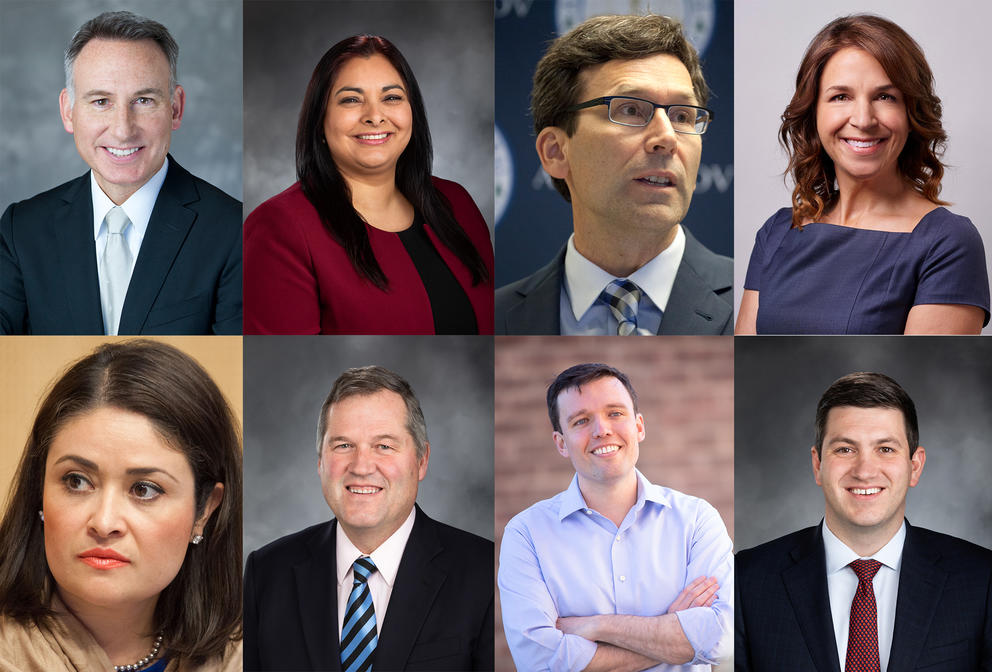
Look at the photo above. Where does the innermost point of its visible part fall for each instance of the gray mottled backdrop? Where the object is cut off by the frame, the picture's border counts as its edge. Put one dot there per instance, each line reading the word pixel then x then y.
pixel 287 379
pixel 37 154
pixel 449 45
pixel 778 382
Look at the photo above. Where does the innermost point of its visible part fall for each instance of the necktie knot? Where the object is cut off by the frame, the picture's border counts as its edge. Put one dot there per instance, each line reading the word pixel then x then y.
pixel 866 569
pixel 362 569
pixel 622 296
pixel 117 221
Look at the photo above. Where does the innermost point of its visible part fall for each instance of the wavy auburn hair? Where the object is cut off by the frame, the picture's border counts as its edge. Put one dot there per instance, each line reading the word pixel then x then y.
pixel 327 190
pixel 199 612
pixel 901 57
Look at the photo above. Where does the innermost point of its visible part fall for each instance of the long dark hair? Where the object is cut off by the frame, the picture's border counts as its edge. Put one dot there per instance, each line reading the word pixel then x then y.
pixel 903 61
pixel 327 190
pixel 200 611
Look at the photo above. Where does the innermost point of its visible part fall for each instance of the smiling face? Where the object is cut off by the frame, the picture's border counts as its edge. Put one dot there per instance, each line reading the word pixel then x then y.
pixel 122 116
pixel 865 471
pixel 601 433
pixel 861 116
pixel 119 510
pixel 368 466
pixel 368 120
pixel 624 177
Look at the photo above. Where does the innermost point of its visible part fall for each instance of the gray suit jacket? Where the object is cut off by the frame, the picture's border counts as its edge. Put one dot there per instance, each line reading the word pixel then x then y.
pixel 700 303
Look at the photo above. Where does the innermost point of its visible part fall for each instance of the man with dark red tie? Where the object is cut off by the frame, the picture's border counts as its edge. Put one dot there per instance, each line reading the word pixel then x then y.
pixel 864 591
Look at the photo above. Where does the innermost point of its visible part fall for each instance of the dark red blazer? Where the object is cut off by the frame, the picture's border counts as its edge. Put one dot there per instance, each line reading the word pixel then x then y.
pixel 298 279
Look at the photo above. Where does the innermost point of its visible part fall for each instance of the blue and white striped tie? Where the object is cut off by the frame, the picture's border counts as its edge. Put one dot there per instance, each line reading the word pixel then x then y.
pixel 622 296
pixel 358 635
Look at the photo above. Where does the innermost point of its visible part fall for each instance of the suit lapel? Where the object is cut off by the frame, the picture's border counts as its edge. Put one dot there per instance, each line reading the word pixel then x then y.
pixel 538 312
pixel 414 591
pixel 316 588
pixel 921 583
pixel 167 230
pixel 693 308
pixel 806 585
pixel 73 224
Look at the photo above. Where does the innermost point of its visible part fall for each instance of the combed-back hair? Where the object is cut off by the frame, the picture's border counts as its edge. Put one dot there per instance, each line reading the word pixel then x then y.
pixel 594 41
pixel 367 380
pixel 199 613
pixel 577 376
pixel 810 168
pixel 867 390
pixel 328 191
pixel 124 26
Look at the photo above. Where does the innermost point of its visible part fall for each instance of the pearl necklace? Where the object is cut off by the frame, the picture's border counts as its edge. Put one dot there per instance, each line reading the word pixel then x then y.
pixel 144 661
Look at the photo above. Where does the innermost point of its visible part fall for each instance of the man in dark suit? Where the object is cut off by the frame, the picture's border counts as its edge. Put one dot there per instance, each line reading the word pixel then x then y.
pixel 383 586
pixel 619 111
pixel 138 245
pixel 865 591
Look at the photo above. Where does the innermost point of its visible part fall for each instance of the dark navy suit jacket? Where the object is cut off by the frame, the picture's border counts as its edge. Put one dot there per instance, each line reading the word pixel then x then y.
pixel 943 611
pixel 440 613
pixel 186 279
pixel 700 302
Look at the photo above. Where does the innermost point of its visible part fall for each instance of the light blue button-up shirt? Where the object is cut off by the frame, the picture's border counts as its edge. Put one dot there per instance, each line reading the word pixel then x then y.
pixel 559 558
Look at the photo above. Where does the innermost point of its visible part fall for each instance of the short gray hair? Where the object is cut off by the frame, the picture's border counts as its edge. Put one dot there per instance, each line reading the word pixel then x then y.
pixel 125 26
pixel 367 380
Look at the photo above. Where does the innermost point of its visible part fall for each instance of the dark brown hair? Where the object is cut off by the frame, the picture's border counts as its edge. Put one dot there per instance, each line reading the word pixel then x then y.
pixel 200 611
pixel 598 40
pixel 577 376
pixel 900 56
pixel 867 390
pixel 328 191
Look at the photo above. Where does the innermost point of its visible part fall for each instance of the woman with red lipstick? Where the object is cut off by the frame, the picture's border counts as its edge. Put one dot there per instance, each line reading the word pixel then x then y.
pixel 367 241
pixel 867 247
pixel 122 534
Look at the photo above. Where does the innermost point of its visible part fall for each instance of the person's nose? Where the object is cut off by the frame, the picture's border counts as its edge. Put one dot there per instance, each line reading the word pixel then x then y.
pixel 106 518
pixel 362 461
pixel 123 123
pixel 372 113
pixel 865 465
pixel 863 114
pixel 660 135
pixel 601 426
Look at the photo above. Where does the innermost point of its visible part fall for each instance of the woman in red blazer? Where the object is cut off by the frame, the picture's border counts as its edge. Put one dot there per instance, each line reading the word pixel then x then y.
pixel 367 241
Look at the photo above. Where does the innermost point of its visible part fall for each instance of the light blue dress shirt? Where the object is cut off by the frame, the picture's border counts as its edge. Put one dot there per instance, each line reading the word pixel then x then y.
pixel 560 558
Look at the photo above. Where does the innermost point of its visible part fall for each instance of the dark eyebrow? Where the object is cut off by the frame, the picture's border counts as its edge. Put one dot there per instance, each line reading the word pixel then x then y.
pixel 585 411
pixel 345 439
pixel 134 471
pixel 877 442
pixel 878 89
pixel 357 89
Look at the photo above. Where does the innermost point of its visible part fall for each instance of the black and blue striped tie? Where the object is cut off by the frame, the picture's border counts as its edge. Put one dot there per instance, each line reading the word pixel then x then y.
pixel 622 296
pixel 358 635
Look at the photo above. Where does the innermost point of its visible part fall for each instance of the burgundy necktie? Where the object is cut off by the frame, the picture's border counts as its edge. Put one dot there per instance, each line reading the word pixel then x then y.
pixel 862 640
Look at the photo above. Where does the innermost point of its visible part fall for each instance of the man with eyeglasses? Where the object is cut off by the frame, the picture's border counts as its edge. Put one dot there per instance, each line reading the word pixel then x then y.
pixel 619 112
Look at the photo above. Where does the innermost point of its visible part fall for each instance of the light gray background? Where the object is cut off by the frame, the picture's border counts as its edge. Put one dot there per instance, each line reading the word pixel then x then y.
pixel 287 379
pixel 448 44
pixel 770 38
pixel 778 382
pixel 37 154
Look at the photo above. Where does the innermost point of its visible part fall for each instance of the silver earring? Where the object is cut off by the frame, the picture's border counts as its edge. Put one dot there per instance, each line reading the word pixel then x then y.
pixel 197 538
pixel 41 514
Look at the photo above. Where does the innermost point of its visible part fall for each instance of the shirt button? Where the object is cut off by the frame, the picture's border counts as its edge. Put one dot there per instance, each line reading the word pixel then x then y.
pixel 618 537
pixel 623 578
pixel 588 512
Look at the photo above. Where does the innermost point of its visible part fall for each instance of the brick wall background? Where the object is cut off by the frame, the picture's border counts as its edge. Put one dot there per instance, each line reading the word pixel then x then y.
pixel 685 389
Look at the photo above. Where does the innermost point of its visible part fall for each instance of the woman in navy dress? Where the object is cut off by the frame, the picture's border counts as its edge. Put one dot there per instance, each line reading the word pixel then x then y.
pixel 867 247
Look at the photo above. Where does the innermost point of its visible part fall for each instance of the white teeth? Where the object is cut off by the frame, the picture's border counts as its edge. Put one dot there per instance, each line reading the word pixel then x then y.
pixel 374 136
pixel 363 491
pixel 866 491
pixel 653 179
pixel 121 153
pixel 863 144
pixel 605 450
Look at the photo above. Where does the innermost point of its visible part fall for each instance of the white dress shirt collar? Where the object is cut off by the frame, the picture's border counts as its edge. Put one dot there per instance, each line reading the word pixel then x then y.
pixel 584 280
pixel 138 208
pixel 386 558
pixel 839 555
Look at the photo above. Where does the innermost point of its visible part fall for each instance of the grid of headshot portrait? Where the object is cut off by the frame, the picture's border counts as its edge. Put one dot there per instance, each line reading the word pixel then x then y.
pixel 289 382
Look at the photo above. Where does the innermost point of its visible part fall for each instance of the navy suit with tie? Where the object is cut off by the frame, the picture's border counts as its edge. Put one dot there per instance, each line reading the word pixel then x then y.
pixel 186 278
pixel 700 302
pixel 439 617
pixel 943 619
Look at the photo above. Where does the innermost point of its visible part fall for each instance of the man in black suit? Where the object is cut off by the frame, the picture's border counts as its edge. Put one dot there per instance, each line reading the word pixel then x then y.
pixel 138 245
pixel 865 588
pixel 383 586
pixel 619 111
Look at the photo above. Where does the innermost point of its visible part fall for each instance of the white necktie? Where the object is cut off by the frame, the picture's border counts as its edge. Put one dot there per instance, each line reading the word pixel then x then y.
pixel 115 269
